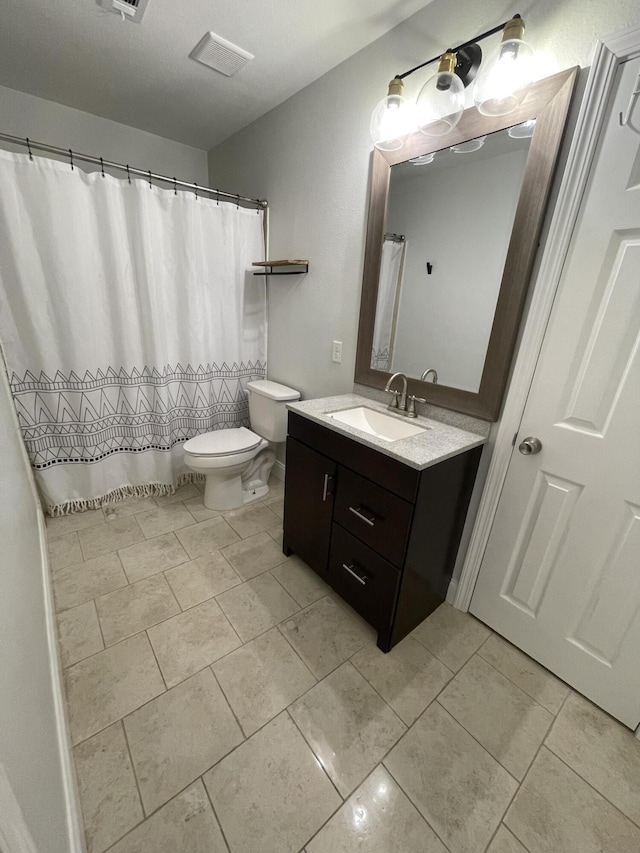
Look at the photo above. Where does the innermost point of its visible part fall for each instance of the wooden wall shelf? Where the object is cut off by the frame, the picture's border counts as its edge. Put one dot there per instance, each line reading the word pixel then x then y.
pixel 269 267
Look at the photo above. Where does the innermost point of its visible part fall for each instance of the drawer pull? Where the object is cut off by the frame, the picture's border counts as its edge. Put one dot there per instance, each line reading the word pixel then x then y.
pixel 369 519
pixel 325 488
pixel 360 578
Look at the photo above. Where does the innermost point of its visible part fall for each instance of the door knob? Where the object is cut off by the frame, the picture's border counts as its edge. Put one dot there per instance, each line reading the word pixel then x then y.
pixel 530 445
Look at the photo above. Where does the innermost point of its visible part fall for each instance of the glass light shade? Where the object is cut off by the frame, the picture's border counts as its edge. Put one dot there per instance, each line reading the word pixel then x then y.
pixel 504 78
pixel 523 131
pixel 440 104
pixel 423 159
pixel 468 147
pixel 392 119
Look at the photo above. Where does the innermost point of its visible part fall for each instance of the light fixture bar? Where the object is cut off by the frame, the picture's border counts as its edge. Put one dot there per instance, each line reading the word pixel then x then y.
pixel 485 35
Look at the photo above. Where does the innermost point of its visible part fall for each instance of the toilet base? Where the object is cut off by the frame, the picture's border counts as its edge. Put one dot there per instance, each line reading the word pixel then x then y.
pixel 254 491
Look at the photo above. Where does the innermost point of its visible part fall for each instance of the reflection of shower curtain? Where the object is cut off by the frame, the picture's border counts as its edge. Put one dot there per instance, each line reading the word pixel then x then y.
pixel 387 305
pixel 129 323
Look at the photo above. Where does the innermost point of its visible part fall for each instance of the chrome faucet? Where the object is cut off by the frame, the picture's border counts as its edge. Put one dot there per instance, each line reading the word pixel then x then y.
pixel 423 378
pixel 401 404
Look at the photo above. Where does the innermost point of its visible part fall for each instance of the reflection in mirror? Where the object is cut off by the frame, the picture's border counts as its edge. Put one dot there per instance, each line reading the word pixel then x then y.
pixel 449 221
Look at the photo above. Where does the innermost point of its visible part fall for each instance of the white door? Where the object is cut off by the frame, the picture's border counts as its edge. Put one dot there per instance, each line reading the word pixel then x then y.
pixel 560 577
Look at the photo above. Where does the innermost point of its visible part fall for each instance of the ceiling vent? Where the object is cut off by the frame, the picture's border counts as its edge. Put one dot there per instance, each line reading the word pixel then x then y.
pixel 129 10
pixel 219 54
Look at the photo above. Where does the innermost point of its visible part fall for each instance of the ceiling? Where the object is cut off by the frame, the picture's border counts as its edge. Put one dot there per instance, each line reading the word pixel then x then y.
pixel 77 53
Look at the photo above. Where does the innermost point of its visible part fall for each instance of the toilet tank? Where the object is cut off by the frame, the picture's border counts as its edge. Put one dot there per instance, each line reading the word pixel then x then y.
pixel 268 408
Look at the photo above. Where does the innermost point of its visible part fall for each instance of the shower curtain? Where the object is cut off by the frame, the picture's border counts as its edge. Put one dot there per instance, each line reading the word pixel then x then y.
pixel 389 286
pixel 129 322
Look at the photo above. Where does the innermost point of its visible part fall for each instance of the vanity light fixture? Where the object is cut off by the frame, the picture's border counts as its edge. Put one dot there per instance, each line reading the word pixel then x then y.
pixel 501 85
pixel 468 147
pixel 423 159
pixel 522 131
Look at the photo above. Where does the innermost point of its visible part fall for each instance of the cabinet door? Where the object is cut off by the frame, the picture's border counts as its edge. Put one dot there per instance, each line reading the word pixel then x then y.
pixel 308 505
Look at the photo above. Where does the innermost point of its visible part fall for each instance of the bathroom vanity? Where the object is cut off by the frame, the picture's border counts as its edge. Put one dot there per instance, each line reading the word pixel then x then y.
pixel 379 520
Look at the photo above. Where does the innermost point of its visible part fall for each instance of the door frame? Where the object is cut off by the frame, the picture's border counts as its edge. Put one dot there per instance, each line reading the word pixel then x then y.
pixel 609 54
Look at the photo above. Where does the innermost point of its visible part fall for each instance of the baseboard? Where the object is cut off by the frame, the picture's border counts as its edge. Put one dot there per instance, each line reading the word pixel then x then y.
pixel 278 470
pixel 451 592
pixel 75 826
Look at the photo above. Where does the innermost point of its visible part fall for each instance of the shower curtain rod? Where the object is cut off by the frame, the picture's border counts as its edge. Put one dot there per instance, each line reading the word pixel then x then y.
pixel 130 170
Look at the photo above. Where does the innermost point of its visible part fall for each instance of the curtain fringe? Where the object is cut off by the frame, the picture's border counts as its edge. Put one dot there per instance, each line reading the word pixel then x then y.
pixel 147 491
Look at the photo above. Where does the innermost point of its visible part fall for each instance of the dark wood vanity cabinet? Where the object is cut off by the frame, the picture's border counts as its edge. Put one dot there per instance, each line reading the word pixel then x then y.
pixel 382 534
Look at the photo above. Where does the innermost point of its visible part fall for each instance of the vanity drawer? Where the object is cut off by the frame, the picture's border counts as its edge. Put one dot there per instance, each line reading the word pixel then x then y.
pixel 366 581
pixel 377 517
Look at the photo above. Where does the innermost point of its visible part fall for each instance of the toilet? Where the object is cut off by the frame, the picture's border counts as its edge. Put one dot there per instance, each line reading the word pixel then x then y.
pixel 237 462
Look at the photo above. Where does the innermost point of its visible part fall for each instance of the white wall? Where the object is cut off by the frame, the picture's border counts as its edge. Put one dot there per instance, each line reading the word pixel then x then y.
pixel 458 218
pixel 310 158
pixel 31 761
pixel 45 121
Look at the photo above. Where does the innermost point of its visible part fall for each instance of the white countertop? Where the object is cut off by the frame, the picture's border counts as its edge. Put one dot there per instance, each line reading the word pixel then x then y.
pixel 439 442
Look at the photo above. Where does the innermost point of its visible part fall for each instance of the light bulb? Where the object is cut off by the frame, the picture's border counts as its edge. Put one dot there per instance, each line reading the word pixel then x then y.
pixel 505 77
pixel 441 100
pixel 392 119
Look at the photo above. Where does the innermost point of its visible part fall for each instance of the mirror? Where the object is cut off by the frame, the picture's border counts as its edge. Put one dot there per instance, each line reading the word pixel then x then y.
pixel 449 296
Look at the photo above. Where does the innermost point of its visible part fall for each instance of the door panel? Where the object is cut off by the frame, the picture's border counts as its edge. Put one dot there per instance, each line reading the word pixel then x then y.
pixel 561 574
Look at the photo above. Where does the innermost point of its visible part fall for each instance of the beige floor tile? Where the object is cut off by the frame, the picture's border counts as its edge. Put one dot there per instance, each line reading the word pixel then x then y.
pixel 126 508
pixel 79 633
pixel 81 582
pixel 408 677
pixel 207 536
pixel 271 795
pixel 182 493
pixel 64 551
pixel 185 825
pixel 534 679
pixel 199 511
pixel 276 487
pixel 64 524
pixel 261 679
pixel 555 810
pixel 505 842
pixel 110 536
pixel 252 519
pixel 377 818
pixel 452 636
pixel 601 750
pixel 457 786
pixel 301 582
pixel 505 720
pixel 110 684
pixel 163 519
pixel 257 605
pixel 253 556
pixel 152 556
pixel 324 635
pixel 348 726
pixel 201 579
pixel 133 608
pixel 178 736
pixel 276 533
pixel 107 787
pixel 276 505
pixel 191 640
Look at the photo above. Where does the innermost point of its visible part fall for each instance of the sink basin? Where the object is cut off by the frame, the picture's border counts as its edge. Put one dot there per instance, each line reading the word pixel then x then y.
pixel 376 423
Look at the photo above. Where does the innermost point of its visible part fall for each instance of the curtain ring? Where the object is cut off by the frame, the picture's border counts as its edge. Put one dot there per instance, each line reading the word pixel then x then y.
pixel 71 159
pixel 29 149
pixel 102 167
pixel 150 187
pixel 175 189
pixel 128 174
pixel 196 186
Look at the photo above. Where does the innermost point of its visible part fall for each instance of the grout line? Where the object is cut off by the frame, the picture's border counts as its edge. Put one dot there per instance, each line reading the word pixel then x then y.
pixel 155 657
pixel 133 768
pixel 215 813
pixel 245 736
pixel 320 764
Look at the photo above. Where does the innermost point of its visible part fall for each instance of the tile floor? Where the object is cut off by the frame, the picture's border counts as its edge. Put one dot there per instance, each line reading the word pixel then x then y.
pixel 222 700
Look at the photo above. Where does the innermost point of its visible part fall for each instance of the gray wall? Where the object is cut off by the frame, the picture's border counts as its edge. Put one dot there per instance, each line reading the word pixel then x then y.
pixel 310 158
pixel 45 121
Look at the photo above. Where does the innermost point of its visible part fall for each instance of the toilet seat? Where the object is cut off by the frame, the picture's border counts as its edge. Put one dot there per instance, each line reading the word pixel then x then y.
pixel 222 442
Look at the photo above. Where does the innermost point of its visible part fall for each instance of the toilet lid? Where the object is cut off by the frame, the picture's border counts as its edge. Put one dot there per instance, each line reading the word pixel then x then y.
pixel 222 442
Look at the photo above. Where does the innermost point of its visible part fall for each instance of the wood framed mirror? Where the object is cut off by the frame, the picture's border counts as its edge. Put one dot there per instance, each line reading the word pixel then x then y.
pixel 546 104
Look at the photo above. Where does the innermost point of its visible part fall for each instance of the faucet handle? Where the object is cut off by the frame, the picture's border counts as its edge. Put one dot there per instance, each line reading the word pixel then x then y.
pixel 411 405
pixel 393 403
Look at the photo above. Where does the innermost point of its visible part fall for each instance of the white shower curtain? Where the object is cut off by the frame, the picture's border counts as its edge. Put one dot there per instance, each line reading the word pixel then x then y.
pixel 129 321
pixel 389 286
